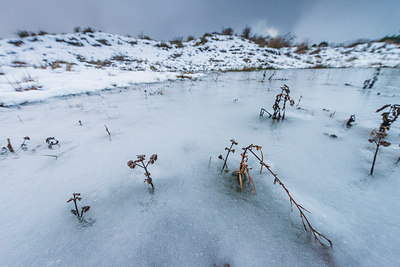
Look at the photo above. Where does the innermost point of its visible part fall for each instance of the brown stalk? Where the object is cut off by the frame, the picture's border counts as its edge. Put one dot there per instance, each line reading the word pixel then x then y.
pixel 9 146
pixel 317 235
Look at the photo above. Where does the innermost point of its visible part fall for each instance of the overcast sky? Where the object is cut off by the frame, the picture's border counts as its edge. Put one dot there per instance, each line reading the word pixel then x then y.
pixel 317 20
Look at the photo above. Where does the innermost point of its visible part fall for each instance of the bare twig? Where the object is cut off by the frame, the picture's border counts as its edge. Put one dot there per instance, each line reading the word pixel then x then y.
pixel 317 235
pixel 9 146
pixel 351 120
pixel 108 132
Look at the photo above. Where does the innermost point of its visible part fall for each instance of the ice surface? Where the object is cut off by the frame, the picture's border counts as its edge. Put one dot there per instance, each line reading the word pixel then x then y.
pixel 196 216
pixel 77 63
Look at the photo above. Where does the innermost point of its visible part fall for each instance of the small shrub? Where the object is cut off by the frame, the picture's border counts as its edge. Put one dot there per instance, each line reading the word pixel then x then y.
pixel 76 197
pixel 227 31
pixel 163 45
pixel 77 29
pixel 42 33
pixel 88 30
pixel 281 41
pixel 203 39
pixel 190 38
pixel 246 32
pixel 323 44
pixel 16 43
pixel 177 42
pixel 23 34
pixel 302 48
pixel 391 39
pixel 140 163
pixel 103 42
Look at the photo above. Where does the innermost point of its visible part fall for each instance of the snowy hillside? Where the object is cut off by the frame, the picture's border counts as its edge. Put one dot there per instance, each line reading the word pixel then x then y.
pixel 38 67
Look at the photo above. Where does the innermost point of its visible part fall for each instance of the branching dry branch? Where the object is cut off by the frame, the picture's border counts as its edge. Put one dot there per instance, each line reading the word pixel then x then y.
pixel 140 163
pixel 317 235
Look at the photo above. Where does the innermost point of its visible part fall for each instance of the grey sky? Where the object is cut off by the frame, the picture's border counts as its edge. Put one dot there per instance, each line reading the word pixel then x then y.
pixel 330 20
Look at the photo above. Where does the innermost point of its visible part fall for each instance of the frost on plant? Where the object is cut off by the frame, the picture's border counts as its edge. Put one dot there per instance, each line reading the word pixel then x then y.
pixel 140 162
pixel 76 197
pixel 279 106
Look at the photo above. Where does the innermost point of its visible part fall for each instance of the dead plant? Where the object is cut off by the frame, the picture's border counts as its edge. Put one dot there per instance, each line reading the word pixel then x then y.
pixel 378 138
pixel 244 168
pixel 23 145
pixel 370 82
pixel 9 146
pixel 233 142
pixel 351 120
pixel 280 104
pixel 140 163
pixel 108 132
pixel 52 141
pixel 389 117
pixel 256 152
pixel 76 197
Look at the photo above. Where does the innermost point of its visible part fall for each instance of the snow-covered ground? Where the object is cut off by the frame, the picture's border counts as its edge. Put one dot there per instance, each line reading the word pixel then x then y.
pixel 35 68
pixel 196 216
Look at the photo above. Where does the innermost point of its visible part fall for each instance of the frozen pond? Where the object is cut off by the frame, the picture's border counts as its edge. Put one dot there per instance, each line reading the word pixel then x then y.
pixel 196 216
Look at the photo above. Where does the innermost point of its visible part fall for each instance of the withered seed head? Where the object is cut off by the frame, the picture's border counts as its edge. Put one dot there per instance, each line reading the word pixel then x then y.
pixel 131 164
pixel 85 208
pixel 141 157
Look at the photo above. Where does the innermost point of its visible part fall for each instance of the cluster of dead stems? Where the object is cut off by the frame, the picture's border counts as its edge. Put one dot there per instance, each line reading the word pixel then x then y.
pixel 256 152
pixel 370 82
pixel 279 106
pixel 378 137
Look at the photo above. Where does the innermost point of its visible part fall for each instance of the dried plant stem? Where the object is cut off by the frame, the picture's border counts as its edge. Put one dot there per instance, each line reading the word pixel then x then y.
pixel 226 157
pixel 317 235
pixel 76 207
pixel 9 146
pixel 144 166
pixel 108 132
pixel 373 162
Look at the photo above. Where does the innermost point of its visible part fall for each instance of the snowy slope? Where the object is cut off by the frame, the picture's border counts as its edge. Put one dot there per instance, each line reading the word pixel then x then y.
pixel 35 68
